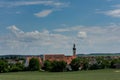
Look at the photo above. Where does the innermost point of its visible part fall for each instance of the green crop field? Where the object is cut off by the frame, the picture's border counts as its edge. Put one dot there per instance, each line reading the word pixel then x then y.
pixel 79 75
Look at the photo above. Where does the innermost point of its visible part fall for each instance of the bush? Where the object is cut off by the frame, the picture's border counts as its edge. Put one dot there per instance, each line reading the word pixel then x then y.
pixel 34 64
pixel 3 66
pixel 47 65
pixel 58 66
pixel 75 64
pixel 55 66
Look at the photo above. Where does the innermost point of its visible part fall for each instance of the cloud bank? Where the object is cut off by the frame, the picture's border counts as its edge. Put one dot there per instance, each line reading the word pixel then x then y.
pixel 87 39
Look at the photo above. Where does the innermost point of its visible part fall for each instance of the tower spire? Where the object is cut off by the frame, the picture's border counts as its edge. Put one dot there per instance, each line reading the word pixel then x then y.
pixel 74 50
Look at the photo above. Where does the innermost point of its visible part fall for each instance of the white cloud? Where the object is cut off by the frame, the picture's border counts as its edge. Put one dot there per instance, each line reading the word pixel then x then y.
pixel 113 13
pixel 43 13
pixel 96 34
pixel 15 30
pixel 82 35
pixel 68 29
pixel 35 2
pixel 61 30
pixel 43 38
pixel 34 42
pixel 52 4
pixel 87 39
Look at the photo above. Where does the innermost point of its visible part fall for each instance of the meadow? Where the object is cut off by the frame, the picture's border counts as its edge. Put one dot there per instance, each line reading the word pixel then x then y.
pixel 108 74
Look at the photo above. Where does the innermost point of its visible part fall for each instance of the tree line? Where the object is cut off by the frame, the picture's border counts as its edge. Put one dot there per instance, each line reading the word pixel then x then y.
pixel 80 63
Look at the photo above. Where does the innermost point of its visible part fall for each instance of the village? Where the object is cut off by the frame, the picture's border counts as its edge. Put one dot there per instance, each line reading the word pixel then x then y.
pixel 94 61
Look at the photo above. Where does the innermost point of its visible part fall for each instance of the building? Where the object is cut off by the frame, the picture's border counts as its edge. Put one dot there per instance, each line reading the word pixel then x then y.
pixel 60 57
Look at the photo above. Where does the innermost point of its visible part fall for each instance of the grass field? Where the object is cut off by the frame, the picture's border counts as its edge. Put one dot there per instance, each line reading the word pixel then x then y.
pixel 79 75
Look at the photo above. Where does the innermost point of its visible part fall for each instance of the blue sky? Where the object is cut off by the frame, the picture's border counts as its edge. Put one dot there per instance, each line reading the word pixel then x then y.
pixel 52 26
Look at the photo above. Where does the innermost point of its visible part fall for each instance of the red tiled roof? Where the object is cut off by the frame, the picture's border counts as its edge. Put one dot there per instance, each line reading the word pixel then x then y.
pixel 59 57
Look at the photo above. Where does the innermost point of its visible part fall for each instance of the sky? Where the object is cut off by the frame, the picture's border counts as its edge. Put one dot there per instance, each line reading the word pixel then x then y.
pixel 37 27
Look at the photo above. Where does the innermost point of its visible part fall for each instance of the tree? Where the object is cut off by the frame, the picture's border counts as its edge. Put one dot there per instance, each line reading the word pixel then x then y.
pixel 100 62
pixel 114 62
pixel 47 65
pixel 84 63
pixel 3 66
pixel 20 65
pixel 106 63
pixel 93 66
pixel 34 64
pixel 75 64
pixel 16 67
pixel 58 66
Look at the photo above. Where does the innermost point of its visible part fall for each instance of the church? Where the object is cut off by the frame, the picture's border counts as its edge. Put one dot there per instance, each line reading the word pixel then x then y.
pixel 60 57
pixel 54 57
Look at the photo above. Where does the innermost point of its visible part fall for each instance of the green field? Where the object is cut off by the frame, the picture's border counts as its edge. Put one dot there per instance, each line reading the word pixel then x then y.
pixel 79 75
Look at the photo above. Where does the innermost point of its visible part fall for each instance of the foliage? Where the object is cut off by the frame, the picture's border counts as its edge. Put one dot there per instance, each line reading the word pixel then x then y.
pixel 47 65
pixel 54 66
pixel 114 62
pixel 93 63
pixel 3 66
pixel 84 64
pixel 93 67
pixel 58 66
pixel 80 63
pixel 16 67
pixel 34 64
pixel 75 64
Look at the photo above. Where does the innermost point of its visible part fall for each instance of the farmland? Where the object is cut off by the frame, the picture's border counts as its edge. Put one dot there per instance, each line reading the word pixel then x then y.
pixel 107 74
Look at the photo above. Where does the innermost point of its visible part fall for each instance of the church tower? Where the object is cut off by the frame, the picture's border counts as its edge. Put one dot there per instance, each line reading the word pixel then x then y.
pixel 74 50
